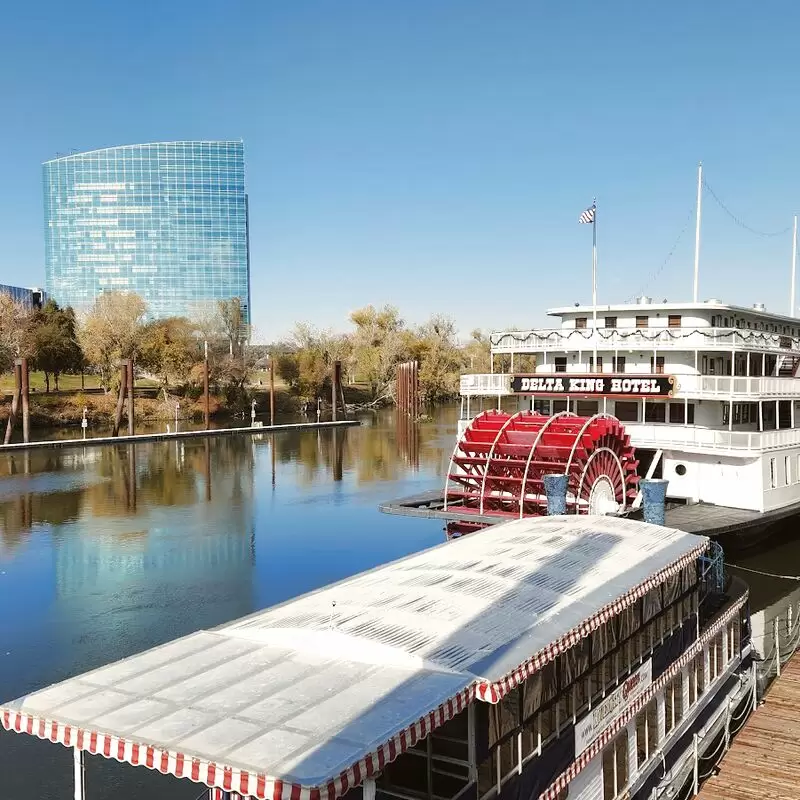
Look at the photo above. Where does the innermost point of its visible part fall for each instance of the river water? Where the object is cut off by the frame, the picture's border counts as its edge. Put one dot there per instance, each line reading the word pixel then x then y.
pixel 106 551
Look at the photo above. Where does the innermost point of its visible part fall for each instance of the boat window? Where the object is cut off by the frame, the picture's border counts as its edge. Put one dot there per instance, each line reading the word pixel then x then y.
pixel 618 364
pixel 642 322
pixel 580 322
pixel 559 406
pixel 646 732
pixel 673 703
pixel 610 322
pixel 674 321
pixel 561 363
pixel 772 476
pixel 615 766
pixel 599 364
pixel 626 411
pixel 715 663
pixel 787 469
pixel 678 413
pixel 655 412
pixel 657 365
pixel 586 408
pixel 733 639
pixel 541 406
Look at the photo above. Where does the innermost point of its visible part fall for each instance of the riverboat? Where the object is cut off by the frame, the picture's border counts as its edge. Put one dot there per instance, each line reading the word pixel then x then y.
pixel 704 394
pixel 575 656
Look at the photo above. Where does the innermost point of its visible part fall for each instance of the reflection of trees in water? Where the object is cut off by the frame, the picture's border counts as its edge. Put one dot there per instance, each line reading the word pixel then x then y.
pixel 383 448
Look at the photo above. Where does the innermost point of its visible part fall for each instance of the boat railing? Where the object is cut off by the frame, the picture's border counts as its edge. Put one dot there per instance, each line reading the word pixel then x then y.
pixel 730 339
pixel 648 434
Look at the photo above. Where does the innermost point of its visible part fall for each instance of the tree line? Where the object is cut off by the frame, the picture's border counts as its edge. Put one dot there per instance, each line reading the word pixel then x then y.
pixel 171 351
pixel 380 340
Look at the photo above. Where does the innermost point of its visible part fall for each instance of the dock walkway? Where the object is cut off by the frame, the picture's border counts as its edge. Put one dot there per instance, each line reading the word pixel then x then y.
pixel 764 759
pixel 159 437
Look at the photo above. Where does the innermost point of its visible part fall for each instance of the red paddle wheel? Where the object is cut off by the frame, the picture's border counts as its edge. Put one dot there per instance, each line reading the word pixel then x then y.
pixel 500 461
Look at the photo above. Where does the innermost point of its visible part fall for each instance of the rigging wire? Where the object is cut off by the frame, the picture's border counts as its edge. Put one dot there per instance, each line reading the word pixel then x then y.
pixel 653 275
pixel 762 572
pixel 738 221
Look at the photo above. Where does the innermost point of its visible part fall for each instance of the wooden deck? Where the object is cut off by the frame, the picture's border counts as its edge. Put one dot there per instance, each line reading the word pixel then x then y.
pixel 764 759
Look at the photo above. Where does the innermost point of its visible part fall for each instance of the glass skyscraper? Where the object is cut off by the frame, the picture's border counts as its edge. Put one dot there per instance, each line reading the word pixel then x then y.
pixel 165 220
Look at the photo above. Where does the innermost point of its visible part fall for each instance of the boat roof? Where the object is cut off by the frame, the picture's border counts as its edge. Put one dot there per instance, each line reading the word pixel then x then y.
pixel 319 692
pixel 642 308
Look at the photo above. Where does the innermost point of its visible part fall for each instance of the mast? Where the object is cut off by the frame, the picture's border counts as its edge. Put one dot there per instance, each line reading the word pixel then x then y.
pixel 794 268
pixel 594 283
pixel 697 231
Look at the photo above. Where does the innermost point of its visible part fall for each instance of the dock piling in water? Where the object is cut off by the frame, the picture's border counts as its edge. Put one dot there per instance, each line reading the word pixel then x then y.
pixel 555 487
pixel 654 495
pixel 26 409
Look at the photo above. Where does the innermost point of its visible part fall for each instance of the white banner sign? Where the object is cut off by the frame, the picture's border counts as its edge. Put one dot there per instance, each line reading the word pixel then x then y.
pixel 606 711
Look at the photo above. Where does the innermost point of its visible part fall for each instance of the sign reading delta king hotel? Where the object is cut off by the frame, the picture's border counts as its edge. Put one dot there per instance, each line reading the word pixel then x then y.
pixel 598 385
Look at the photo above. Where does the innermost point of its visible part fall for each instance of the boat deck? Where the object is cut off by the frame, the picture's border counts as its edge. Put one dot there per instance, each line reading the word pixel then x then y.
pixel 764 760
pixel 702 518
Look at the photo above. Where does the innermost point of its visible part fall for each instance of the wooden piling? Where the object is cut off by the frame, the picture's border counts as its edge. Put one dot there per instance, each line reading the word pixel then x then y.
pixel 337 377
pixel 206 400
pixel 123 381
pixel 26 411
pixel 271 390
pixel 15 402
pixel 131 418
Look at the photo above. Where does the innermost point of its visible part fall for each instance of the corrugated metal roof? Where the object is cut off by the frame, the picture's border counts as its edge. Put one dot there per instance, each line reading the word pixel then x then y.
pixel 302 691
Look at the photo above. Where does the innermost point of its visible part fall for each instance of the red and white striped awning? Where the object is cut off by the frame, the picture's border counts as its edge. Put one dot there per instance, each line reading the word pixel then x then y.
pixel 305 700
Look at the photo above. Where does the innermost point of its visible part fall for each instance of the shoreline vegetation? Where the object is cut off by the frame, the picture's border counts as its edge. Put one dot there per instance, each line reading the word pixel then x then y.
pixel 73 361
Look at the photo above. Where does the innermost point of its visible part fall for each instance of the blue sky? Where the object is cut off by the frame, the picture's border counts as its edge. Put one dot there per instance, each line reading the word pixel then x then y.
pixel 434 154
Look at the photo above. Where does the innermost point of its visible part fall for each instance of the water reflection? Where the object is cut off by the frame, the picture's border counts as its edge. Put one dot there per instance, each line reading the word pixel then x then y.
pixel 105 551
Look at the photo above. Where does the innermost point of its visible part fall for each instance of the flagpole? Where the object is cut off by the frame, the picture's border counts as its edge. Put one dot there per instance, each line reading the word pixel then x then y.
pixel 697 231
pixel 594 283
pixel 794 267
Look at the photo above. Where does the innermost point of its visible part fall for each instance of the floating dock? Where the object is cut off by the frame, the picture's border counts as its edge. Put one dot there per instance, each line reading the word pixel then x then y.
pixel 52 444
pixel 701 518
pixel 764 759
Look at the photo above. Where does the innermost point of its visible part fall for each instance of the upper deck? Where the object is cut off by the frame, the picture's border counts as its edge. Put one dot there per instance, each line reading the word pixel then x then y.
pixel 687 327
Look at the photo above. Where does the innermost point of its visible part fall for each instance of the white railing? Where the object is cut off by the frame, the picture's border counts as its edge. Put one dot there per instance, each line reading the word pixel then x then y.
pixel 486 384
pixel 572 339
pixel 700 438
pixel 723 387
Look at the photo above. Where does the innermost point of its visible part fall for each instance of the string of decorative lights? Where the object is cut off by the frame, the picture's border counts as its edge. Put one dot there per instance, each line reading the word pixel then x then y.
pixel 738 221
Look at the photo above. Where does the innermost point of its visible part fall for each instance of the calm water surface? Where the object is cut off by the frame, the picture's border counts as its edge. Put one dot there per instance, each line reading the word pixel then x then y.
pixel 106 551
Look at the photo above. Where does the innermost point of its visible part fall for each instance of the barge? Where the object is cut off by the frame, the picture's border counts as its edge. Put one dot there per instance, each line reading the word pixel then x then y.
pixel 551 657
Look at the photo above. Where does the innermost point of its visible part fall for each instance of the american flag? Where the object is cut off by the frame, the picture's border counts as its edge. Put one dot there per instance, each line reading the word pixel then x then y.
pixel 588 215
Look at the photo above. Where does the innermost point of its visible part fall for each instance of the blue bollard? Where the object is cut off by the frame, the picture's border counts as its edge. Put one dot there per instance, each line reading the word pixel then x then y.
pixel 555 487
pixel 654 494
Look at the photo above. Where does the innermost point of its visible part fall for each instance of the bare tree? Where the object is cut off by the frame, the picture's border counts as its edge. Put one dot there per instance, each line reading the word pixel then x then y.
pixel 13 324
pixel 230 312
pixel 112 330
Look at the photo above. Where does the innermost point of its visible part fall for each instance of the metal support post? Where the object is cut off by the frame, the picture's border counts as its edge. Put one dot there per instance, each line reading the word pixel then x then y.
pixel 777 646
pixel 78 772
pixel 696 770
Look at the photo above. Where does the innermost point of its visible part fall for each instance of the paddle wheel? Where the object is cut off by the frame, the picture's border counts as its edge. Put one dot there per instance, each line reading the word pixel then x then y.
pixel 500 461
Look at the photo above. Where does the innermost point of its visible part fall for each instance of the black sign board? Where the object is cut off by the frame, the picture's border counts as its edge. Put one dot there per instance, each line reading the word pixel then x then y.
pixel 594 385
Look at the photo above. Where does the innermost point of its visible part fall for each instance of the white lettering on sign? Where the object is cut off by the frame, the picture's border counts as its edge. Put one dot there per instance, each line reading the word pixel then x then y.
pixel 542 384
pixel 603 714
pixel 634 386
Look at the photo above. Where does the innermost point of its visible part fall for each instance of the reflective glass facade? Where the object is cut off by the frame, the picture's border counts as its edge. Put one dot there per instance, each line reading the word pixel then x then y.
pixel 167 221
pixel 30 298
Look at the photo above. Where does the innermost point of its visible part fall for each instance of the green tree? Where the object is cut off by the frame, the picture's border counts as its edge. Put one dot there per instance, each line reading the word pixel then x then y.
pixel 52 343
pixel 168 348
pixel 440 359
pixel 379 343
pixel 477 352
